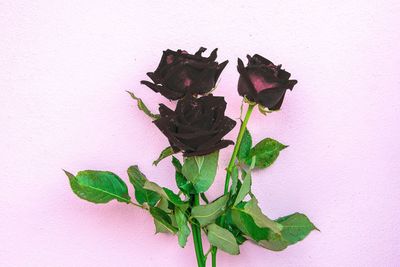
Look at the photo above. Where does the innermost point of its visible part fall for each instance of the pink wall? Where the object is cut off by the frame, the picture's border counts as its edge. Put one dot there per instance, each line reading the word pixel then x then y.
pixel 64 68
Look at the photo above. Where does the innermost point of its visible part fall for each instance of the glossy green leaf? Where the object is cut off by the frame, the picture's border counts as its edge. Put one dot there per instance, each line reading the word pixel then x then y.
pixel 183 184
pixel 98 186
pixel 244 189
pixel 138 179
pixel 184 230
pixel 201 170
pixel 274 243
pixel 259 218
pixel 266 152
pixel 230 225
pixel 234 177
pixel 295 227
pixel 248 217
pixel 155 188
pixel 222 239
pixel 143 107
pixel 240 239
pixel 164 193
pixel 163 205
pixel 262 236
pixel 245 146
pixel 174 198
pixel 163 218
pixel 164 154
pixel 177 164
pixel 245 223
pixel 206 214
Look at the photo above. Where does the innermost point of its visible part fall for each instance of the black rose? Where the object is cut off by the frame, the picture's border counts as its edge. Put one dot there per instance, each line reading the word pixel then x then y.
pixel 180 73
pixel 263 82
pixel 197 125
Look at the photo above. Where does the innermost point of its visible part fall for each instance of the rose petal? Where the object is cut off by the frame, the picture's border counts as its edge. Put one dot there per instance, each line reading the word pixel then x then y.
pixel 200 51
pixel 170 94
pixel 152 86
pixel 257 59
pixel 278 104
pixel 166 111
pixel 213 55
pixel 245 87
pixel 218 146
pixel 260 83
pixel 225 127
pixel 220 68
pixel 164 126
pixel 270 98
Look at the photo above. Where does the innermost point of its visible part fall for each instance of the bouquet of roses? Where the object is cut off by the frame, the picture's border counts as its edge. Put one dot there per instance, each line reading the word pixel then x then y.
pixel 196 129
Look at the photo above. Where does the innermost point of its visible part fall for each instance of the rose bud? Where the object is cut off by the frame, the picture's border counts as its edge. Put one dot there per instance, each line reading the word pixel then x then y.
pixel 197 125
pixel 180 73
pixel 263 82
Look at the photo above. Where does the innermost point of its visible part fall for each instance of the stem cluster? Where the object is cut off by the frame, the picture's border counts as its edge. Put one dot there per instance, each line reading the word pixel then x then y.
pixel 196 230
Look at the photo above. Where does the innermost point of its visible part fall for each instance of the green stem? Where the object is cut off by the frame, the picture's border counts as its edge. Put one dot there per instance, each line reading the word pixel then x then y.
pixel 230 167
pixel 237 145
pixel 196 232
pixel 214 256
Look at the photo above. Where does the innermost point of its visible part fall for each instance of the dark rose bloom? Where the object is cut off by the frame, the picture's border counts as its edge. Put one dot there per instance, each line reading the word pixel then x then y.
pixel 197 125
pixel 263 82
pixel 180 73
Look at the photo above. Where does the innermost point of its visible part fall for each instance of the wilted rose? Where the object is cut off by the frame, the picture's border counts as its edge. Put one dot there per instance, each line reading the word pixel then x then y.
pixel 197 125
pixel 263 82
pixel 180 73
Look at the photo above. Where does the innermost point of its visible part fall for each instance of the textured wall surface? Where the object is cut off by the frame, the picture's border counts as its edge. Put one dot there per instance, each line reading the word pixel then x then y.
pixel 64 69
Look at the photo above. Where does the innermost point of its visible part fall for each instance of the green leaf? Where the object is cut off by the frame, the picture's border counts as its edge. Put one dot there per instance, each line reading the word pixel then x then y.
pixel 259 218
pixel 165 193
pixel 155 188
pixel 164 154
pixel 266 152
pixel 247 216
pixel 245 223
pixel 184 231
pixel 183 184
pixel 295 227
pixel 163 218
pixel 143 107
pixel 138 179
pixel 234 177
pixel 222 239
pixel 245 146
pixel 244 189
pixel 98 186
pixel 174 198
pixel 262 236
pixel 240 239
pixel 206 214
pixel 177 164
pixel 201 170
pixel 274 243
pixel 163 205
